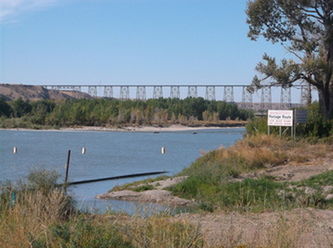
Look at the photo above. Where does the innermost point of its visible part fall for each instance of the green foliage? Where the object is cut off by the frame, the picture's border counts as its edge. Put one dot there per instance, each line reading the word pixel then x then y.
pixel 5 108
pixel 317 126
pixel 250 194
pixel 223 179
pixel 255 194
pixel 21 107
pixel 40 110
pixel 43 180
pixel 84 234
pixel 143 188
pixel 305 29
pixel 111 112
pixel 41 185
pixel 136 184
pixel 324 179
pixel 257 125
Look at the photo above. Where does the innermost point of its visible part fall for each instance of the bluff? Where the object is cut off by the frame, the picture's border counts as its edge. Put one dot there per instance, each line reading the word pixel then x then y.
pixel 33 93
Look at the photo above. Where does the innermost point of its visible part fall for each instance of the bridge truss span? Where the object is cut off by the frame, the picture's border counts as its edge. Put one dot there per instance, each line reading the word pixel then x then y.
pixel 267 97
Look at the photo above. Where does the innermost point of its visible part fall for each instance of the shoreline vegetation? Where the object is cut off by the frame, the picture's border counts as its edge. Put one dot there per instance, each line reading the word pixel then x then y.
pixel 120 114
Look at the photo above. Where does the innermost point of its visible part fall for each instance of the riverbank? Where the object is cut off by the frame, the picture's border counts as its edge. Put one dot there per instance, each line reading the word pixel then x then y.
pixel 257 174
pixel 154 129
pixel 150 192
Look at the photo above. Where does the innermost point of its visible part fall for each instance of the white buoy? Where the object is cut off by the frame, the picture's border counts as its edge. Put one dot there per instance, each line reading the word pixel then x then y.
pixel 163 150
pixel 14 150
pixel 83 150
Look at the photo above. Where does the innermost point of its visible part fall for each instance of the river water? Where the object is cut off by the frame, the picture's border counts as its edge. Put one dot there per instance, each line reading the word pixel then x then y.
pixel 107 154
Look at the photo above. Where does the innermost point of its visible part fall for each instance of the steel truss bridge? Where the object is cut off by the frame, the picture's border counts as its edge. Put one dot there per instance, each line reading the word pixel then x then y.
pixel 238 94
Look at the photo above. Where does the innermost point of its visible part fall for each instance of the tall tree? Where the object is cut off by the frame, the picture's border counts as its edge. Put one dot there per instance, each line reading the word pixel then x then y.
pixel 305 29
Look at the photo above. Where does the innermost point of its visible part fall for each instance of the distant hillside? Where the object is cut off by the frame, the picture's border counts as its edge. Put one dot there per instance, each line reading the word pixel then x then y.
pixel 33 93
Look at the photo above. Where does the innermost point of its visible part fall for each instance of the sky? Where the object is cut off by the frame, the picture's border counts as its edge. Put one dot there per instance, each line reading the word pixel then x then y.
pixel 128 41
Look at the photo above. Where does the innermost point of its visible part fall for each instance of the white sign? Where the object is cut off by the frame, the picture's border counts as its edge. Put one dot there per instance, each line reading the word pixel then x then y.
pixel 280 118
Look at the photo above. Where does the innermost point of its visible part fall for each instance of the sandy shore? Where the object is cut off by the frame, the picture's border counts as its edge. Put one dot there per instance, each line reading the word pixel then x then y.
pixel 172 128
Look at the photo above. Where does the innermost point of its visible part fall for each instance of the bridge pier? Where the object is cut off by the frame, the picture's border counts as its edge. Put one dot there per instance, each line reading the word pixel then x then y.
pixel 124 92
pixel 158 92
pixel 305 94
pixel 192 91
pixel 77 88
pixel 210 93
pixel 174 92
pixel 266 98
pixel 92 90
pixel 108 91
pixel 285 99
pixel 141 93
pixel 228 94
pixel 247 98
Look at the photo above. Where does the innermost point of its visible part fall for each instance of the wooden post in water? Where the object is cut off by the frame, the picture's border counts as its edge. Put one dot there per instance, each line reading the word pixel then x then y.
pixel 67 169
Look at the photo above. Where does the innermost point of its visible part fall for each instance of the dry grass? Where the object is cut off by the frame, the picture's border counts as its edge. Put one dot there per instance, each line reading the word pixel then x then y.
pixel 267 151
pixel 163 232
pixel 293 229
pixel 39 219
pixel 30 217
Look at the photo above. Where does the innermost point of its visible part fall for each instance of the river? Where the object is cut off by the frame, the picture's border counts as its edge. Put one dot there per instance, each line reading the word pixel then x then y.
pixel 107 154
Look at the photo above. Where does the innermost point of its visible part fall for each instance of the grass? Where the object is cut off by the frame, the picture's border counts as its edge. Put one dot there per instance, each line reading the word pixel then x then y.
pixel 42 216
pixel 324 179
pixel 247 155
pixel 254 195
pixel 143 188
pixel 141 185
pixel 215 184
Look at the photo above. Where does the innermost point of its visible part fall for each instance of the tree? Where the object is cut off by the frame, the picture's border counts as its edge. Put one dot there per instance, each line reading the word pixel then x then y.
pixel 21 107
pixel 305 29
pixel 5 108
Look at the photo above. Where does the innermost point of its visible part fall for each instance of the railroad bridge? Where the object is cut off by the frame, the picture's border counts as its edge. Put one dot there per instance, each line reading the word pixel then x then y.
pixel 239 94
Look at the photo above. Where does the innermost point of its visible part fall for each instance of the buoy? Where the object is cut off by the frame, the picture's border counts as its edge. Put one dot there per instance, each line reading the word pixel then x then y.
pixel 83 150
pixel 163 150
pixel 14 150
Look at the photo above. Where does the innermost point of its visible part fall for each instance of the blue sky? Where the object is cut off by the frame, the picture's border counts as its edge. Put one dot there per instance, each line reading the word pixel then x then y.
pixel 127 41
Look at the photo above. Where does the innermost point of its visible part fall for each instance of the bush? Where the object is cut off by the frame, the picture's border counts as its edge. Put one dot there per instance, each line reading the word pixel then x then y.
pixel 42 180
pixel 84 234
pixel 316 125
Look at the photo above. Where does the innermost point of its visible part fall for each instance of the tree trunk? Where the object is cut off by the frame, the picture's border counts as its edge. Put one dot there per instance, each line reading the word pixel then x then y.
pixel 326 102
